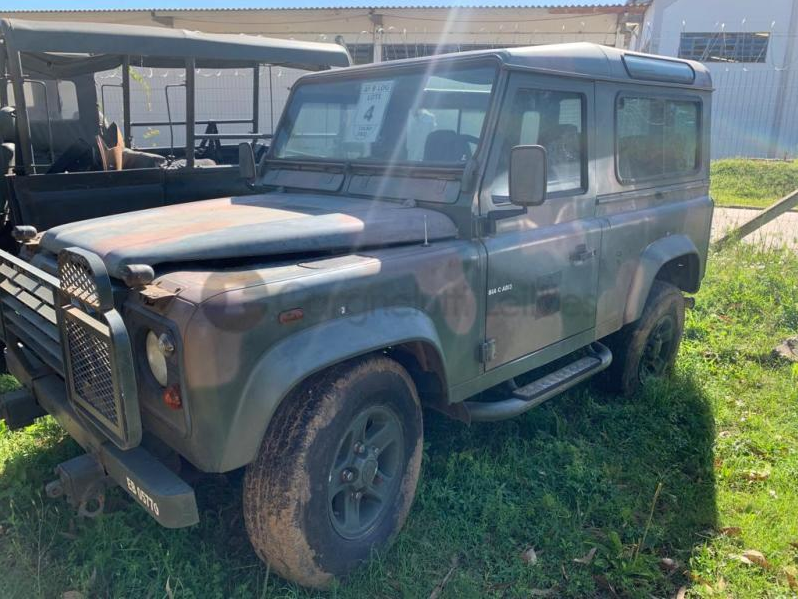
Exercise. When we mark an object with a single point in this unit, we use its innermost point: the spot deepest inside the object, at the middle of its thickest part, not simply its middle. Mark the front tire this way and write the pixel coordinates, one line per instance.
(646, 349)
(337, 471)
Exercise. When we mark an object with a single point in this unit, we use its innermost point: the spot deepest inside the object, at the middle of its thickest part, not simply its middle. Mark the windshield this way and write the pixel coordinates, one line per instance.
(429, 115)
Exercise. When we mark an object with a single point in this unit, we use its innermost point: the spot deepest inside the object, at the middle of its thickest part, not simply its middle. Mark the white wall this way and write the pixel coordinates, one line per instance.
(755, 104)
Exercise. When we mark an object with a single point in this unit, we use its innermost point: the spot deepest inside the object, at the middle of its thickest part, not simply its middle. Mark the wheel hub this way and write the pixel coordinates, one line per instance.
(657, 352)
(369, 471)
(366, 472)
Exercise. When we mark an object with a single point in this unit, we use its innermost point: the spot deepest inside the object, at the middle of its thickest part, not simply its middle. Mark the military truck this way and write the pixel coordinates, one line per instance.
(474, 233)
(63, 160)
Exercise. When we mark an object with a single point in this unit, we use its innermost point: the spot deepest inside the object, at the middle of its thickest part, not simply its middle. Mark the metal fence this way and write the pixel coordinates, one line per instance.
(755, 113)
(159, 95)
(755, 106)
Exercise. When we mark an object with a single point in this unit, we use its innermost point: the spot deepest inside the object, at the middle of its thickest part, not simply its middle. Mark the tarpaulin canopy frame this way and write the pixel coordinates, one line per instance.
(64, 49)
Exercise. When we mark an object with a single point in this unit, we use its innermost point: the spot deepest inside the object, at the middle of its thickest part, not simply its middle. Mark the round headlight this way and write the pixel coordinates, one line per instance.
(156, 358)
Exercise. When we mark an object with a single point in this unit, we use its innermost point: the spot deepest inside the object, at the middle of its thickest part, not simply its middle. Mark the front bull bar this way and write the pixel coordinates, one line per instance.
(165, 496)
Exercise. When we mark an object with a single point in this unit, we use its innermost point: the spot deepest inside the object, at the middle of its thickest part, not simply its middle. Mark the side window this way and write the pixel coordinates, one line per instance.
(68, 100)
(656, 137)
(61, 97)
(554, 120)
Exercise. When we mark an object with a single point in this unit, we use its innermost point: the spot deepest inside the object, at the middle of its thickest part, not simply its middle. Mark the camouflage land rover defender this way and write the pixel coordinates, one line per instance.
(426, 230)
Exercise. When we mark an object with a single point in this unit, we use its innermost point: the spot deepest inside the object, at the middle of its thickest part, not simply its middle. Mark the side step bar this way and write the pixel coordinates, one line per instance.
(535, 393)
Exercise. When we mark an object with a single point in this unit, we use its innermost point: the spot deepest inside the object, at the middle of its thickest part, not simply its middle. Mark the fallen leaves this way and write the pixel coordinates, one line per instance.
(754, 475)
(731, 531)
(587, 558)
(791, 572)
(668, 565)
(787, 349)
(530, 557)
(753, 557)
(756, 557)
(436, 592)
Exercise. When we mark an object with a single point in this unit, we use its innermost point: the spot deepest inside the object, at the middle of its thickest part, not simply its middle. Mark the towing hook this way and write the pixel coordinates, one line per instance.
(93, 506)
(54, 489)
(82, 480)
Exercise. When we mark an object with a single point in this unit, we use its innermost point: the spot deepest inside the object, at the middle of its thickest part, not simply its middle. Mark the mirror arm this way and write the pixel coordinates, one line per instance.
(487, 222)
(495, 215)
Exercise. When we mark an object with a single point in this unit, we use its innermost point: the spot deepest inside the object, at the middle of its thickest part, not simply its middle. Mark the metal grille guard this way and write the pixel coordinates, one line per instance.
(28, 310)
(98, 360)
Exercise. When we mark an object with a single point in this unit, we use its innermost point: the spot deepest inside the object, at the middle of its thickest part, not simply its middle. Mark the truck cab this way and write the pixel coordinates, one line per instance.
(422, 232)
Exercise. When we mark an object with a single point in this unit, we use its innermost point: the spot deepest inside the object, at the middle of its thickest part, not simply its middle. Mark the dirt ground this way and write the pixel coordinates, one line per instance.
(783, 231)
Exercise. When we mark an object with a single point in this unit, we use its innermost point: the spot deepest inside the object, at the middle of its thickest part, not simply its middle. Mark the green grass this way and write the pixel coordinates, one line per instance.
(641, 479)
(752, 183)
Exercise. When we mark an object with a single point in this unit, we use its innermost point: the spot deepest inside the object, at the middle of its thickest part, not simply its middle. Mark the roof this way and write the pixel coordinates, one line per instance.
(556, 5)
(159, 46)
(604, 62)
(584, 59)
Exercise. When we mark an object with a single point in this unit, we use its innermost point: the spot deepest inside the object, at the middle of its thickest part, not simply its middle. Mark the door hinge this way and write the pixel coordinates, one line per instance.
(487, 351)
(481, 226)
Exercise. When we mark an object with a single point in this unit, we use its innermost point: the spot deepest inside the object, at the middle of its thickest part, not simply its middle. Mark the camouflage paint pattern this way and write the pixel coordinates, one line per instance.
(425, 281)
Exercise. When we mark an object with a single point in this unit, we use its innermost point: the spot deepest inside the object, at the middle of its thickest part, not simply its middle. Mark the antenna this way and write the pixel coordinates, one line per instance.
(426, 234)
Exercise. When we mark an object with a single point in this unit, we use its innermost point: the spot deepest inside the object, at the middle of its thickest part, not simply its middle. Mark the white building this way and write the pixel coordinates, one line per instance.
(750, 48)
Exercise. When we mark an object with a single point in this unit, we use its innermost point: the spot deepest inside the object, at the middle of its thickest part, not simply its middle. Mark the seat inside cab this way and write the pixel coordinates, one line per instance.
(69, 133)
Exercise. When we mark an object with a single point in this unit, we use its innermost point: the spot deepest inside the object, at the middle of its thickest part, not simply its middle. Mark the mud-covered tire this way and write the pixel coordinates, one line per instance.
(631, 346)
(289, 490)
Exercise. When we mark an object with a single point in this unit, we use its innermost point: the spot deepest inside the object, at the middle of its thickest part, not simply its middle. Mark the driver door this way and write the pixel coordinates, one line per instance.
(542, 269)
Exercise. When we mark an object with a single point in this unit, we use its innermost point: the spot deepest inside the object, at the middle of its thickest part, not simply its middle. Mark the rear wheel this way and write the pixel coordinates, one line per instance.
(337, 471)
(646, 349)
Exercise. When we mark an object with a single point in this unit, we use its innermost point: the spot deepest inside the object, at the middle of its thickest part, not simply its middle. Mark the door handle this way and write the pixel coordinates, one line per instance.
(582, 254)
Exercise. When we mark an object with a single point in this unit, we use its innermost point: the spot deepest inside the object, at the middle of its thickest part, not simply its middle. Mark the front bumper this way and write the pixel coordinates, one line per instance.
(69, 348)
(164, 495)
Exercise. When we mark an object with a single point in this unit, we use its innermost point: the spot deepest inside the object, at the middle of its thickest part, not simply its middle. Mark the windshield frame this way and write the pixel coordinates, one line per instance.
(376, 70)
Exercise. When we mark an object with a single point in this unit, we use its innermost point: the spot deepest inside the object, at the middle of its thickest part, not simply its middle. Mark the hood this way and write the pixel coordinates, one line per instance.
(250, 226)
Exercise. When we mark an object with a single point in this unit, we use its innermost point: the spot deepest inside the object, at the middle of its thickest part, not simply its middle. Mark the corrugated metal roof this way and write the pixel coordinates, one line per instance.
(585, 7)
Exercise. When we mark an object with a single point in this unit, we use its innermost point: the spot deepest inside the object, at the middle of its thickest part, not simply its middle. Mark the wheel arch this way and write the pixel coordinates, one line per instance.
(407, 335)
(673, 259)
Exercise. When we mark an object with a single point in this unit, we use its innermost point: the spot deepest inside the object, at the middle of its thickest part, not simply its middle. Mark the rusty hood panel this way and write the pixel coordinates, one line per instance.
(273, 224)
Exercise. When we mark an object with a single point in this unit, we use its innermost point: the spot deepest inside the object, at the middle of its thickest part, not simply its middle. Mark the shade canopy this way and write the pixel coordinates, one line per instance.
(78, 48)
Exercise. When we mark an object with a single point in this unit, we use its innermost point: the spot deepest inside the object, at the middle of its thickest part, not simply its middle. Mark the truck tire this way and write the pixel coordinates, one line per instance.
(337, 471)
(646, 349)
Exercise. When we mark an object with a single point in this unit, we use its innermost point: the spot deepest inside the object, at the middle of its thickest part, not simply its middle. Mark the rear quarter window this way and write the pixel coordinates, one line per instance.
(656, 138)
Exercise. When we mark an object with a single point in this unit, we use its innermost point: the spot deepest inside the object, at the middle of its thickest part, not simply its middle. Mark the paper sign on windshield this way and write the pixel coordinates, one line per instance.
(374, 98)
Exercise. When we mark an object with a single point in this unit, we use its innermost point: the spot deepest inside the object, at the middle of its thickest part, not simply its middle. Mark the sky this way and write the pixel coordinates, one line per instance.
(172, 4)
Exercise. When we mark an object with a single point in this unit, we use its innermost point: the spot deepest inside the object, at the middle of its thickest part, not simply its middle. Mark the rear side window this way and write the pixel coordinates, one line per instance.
(656, 138)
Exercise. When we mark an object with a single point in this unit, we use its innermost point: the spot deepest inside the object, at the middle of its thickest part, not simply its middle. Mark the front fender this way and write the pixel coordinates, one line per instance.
(293, 359)
(653, 258)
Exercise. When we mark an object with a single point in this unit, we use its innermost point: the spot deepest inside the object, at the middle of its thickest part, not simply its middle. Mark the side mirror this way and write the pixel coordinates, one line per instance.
(528, 175)
(247, 169)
